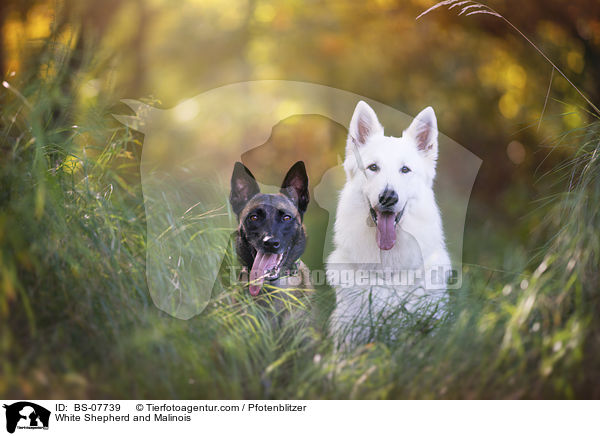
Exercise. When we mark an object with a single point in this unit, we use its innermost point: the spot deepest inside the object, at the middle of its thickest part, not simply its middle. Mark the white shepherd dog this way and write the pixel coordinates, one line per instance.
(390, 257)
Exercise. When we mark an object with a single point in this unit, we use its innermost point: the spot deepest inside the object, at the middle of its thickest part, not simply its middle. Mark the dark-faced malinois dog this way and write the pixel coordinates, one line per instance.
(271, 237)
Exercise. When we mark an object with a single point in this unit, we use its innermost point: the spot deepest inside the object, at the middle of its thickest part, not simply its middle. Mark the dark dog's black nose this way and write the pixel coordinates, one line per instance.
(271, 244)
(388, 198)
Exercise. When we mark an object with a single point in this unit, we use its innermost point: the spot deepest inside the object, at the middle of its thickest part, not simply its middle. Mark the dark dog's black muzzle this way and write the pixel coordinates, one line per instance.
(272, 245)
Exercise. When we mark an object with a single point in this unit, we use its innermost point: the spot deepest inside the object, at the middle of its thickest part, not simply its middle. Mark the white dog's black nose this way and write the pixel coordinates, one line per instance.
(388, 198)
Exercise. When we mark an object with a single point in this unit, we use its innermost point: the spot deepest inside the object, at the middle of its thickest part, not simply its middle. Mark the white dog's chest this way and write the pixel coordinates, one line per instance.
(361, 248)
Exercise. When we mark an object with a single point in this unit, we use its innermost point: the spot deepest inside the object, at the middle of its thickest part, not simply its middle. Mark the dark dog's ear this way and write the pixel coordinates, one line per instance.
(243, 187)
(295, 186)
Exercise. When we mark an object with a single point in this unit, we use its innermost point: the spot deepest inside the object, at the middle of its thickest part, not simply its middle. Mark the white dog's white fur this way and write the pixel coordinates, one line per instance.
(407, 166)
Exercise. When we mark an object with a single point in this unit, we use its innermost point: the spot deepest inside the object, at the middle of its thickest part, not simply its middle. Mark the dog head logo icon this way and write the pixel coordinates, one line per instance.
(187, 158)
(26, 415)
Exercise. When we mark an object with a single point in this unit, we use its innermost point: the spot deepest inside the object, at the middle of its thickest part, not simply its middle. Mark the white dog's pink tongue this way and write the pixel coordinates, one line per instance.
(386, 231)
(263, 263)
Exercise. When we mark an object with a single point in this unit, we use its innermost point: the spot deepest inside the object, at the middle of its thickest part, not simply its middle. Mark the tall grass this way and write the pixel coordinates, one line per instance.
(76, 318)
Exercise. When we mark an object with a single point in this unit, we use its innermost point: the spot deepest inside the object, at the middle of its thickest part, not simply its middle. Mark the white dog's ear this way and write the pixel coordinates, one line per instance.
(424, 131)
(364, 124)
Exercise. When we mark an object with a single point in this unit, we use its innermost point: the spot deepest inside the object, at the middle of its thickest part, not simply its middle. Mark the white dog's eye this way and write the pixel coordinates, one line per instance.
(373, 167)
(405, 169)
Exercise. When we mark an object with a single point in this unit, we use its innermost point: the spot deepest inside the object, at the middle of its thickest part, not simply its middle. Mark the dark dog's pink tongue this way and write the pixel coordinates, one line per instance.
(386, 231)
(263, 263)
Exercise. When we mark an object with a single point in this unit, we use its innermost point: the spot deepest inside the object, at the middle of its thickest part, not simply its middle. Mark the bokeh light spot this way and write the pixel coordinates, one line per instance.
(516, 152)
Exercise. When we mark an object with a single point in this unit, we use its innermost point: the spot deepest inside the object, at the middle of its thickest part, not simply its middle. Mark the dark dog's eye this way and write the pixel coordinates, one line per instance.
(373, 167)
(286, 218)
(253, 217)
(405, 169)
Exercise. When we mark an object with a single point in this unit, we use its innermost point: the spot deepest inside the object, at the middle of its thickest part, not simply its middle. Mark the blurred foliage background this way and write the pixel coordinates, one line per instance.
(75, 317)
(487, 85)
